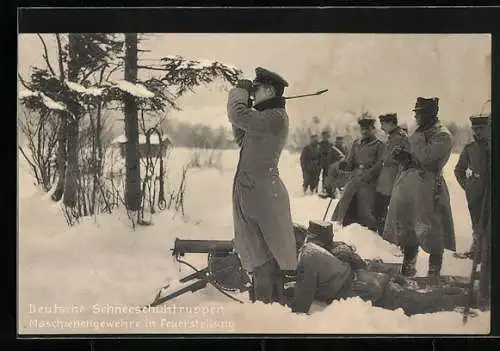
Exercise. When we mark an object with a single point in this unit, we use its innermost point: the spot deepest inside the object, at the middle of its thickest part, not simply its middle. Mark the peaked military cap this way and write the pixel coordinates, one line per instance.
(427, 104)
(339, 138)
(366, 122)
(478, 120)
(388, 117)
(325, 132)
(321, 230)
(264, 76)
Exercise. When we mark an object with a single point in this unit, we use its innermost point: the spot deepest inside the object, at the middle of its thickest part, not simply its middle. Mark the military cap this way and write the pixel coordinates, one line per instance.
(339, 138)
(264, 76)
(321, 230)
(325, 132)
(427, 104)
(388, 117)
(478, 120)
(366, 122)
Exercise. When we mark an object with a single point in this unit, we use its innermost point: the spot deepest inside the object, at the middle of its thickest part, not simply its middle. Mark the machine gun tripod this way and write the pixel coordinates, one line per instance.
(223, 270)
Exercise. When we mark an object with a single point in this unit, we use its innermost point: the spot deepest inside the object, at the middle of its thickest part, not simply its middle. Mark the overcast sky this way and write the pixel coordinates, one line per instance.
(379, 72)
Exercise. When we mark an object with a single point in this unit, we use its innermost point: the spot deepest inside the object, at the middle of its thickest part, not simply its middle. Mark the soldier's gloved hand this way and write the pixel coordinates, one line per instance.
(245, 84)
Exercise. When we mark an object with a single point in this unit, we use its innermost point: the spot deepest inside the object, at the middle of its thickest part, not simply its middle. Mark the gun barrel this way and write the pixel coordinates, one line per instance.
(182, 246)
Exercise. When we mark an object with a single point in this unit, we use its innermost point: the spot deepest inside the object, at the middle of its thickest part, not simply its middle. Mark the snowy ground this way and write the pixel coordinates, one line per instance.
(90, 278)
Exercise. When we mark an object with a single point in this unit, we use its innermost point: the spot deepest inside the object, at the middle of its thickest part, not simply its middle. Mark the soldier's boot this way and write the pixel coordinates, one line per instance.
(279, 287)
(408, 269)
(263, 279)
(435, 263)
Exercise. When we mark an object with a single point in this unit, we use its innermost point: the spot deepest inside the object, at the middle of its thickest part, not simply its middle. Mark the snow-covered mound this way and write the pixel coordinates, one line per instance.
(95, 276)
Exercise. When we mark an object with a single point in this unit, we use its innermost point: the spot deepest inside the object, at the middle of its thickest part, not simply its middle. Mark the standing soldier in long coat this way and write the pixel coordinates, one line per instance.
(471, 173)
(420, 212)
(264, 237)
(310, 162)
(326, 153)
(364, 160)
(390, 167)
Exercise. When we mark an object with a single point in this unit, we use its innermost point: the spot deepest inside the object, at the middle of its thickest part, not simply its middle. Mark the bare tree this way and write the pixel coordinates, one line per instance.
(61, 134)
(133, 171)
(40, 135)
(71, 176)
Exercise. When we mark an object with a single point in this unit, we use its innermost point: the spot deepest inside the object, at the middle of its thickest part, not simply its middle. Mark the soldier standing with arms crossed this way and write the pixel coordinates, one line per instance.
(264, 236)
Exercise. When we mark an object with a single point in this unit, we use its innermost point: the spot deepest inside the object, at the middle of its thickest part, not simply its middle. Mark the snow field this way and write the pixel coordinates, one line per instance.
(104, 270)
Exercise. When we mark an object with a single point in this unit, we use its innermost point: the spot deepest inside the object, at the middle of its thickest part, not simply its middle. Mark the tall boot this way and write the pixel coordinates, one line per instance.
(408, 268)
(264, 285)
(435, 263)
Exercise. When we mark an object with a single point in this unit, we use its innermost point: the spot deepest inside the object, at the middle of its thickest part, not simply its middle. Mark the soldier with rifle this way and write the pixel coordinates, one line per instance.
(329, 271)
(419, 213)
(390, 167)
(263, 229)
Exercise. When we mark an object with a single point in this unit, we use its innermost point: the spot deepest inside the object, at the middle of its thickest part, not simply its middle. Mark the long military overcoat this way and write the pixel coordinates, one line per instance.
(419, 211)
(263, 227)
(471, 173)
(390, 168)
(364, 159)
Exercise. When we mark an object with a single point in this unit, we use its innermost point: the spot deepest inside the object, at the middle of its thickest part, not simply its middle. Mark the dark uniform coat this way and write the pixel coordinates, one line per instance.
(326, 147)
(484, 225)
(310, 162)
(390, 167)
(320, 276)
(341, 148)
(357, 203)
(471, 173)
(420, 212)
(261, 206)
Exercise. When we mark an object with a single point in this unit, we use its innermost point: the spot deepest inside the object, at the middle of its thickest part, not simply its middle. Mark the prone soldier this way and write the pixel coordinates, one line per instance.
(329, 271)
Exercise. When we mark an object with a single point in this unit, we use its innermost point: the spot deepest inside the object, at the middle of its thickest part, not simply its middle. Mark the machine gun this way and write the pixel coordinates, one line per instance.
(223, 270)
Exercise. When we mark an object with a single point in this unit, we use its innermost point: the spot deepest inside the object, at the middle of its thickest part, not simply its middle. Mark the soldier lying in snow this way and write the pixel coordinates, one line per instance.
(329, 270)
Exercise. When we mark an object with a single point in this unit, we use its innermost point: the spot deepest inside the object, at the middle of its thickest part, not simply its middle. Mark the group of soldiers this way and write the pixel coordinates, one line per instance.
(317, 157)
(394, 188)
